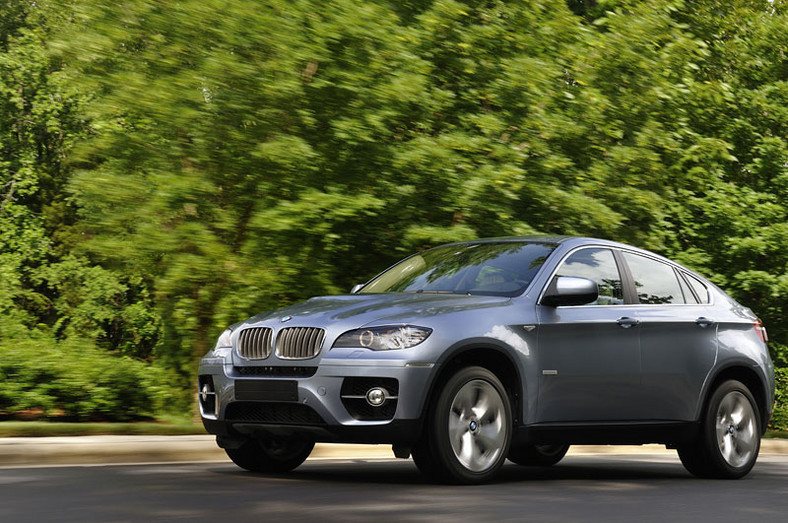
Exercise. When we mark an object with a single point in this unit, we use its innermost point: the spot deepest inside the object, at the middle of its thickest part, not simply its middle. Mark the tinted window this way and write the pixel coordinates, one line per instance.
(487, 268)
(689, 297)
(655, 282)
(700, 289)
(598, 265)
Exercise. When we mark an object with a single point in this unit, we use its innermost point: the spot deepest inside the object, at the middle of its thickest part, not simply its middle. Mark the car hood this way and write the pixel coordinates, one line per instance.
(358, 310)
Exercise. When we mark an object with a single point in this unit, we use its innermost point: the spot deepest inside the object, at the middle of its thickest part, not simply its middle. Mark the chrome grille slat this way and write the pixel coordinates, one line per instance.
(267, 341)
(253, 336)
(299, 343)
(289, 347)
(260, 343)
(255, 343)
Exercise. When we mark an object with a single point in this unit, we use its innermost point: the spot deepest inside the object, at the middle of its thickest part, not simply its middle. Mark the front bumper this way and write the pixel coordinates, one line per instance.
(316, 409)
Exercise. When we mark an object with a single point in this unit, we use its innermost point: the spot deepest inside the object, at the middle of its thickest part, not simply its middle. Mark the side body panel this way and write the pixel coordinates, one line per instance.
(677, 354)
(589, 365)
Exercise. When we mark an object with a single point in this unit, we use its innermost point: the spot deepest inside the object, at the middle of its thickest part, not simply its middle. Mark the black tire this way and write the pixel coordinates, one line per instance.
(693, 459)
(425, 460)
(271, 455)
(537, 455)
(730, 435)
(468, 430)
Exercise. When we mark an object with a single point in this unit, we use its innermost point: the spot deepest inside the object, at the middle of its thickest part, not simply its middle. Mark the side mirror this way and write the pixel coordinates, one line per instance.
(566, 290)
(357, 287)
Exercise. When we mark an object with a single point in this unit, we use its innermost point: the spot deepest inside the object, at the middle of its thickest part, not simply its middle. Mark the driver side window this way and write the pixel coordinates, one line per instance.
(598, 265)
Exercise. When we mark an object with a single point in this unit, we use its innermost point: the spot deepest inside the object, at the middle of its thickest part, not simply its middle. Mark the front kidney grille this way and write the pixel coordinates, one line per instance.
(299, 343)
(255, 343)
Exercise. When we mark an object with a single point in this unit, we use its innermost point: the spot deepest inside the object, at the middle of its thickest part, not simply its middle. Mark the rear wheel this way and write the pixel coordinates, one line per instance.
(467, 435)
(730, 438)
(271, 455)
(537, 455)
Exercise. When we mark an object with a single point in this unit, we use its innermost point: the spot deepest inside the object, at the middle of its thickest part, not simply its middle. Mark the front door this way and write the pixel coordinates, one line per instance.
(589, 355)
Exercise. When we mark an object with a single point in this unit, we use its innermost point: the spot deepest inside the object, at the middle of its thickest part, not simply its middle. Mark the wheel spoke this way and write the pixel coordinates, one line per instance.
(457, 428)
(738, 414)
(744, 447)
(727, 448)
(482, 405)
(490, 436)
(467, 447)
(722, 431)
(463, 402)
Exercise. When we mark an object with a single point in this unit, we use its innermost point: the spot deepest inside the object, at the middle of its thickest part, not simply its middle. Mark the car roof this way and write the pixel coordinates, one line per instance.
(570, 242)
(557, 239)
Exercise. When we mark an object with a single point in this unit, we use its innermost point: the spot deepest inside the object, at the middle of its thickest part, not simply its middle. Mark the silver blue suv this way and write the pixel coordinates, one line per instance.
(470, 353)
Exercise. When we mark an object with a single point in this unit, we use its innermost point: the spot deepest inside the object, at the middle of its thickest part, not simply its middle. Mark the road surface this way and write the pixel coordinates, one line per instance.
(617, 487)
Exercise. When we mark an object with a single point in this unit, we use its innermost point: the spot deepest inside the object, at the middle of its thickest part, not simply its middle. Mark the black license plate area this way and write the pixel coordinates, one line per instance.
(266, 390)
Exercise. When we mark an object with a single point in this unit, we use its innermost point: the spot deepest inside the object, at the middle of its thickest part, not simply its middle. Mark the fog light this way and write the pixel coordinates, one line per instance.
(205, 392)
(376, 396)
(207, 396)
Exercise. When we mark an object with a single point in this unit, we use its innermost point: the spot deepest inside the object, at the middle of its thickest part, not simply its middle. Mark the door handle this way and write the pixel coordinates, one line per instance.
(704, 322)
(627, 322)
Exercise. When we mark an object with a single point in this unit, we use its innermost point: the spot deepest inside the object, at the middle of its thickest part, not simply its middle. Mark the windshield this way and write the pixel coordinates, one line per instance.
(486, 268)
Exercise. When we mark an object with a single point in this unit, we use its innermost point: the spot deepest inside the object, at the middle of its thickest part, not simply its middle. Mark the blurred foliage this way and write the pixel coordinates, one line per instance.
(42, 377)
(168, 168)
(779, 419)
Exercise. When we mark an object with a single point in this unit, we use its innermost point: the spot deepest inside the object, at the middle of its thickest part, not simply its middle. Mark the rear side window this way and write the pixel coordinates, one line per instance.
(689, 296)
(598, 265)
(700, 289)
(655, 282)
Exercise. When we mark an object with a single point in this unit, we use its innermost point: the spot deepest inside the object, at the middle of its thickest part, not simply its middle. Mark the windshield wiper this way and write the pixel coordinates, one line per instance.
(422, 291)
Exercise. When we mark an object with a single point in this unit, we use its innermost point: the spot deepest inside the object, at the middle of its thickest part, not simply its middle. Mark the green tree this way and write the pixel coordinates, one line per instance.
(244, 156)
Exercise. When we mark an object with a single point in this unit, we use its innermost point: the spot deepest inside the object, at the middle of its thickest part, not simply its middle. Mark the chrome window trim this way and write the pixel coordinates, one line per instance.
(621, 250)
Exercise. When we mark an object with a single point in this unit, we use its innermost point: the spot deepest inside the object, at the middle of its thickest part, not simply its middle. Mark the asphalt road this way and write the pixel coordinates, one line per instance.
(634, 487)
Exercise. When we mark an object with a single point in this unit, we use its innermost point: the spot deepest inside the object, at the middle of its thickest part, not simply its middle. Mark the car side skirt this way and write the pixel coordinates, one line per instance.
(634, 433)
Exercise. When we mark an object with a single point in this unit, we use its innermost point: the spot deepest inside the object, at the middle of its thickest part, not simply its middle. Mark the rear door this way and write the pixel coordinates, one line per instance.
(678, 337)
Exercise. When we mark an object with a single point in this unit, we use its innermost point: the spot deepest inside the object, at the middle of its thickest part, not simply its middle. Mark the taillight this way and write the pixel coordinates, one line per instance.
(761, 330)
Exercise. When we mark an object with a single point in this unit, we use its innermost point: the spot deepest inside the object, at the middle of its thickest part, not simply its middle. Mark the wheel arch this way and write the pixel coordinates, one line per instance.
(749, 376)
(493, 357)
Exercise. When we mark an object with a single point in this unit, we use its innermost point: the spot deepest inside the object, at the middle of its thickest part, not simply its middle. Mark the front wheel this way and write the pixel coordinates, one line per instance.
(730, 437)
(271, 455)
(467, 436)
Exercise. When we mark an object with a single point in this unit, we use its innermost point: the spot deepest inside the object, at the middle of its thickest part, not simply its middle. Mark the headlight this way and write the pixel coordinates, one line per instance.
(224, 345)
(225, 340)
(384, 338)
